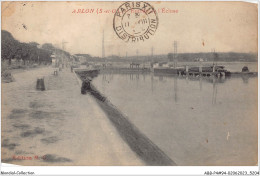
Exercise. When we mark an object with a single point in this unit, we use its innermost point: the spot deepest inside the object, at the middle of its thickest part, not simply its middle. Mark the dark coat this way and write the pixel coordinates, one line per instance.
(85, 86)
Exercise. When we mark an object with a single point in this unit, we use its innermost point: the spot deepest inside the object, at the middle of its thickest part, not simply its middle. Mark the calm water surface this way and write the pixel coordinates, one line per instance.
(195, 121)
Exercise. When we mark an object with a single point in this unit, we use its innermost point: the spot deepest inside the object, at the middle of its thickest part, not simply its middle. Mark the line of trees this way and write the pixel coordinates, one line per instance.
(27, 53)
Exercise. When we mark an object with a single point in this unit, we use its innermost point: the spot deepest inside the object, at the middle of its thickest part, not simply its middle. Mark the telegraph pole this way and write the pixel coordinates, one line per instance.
(63, 48)
(103, 48)
(175, 46)
(103, 45)
(213, 52)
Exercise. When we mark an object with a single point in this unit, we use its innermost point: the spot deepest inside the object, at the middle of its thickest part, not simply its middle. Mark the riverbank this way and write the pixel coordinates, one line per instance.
(137, 141)
(58, 126)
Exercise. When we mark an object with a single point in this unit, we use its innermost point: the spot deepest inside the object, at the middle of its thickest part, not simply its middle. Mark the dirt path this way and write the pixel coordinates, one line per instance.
(58, 126)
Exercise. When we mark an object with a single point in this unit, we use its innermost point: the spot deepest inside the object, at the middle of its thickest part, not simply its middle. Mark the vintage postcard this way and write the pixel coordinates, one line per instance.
(137, 83)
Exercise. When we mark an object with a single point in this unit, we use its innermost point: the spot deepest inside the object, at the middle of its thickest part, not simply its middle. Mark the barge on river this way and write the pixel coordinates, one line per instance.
(194, 71)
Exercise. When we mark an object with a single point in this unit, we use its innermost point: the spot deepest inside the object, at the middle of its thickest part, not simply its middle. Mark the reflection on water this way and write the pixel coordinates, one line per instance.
(155, 79)
(194, 120)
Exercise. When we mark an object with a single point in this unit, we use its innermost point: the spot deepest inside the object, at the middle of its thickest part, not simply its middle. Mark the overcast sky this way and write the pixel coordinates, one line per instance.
(225, 26)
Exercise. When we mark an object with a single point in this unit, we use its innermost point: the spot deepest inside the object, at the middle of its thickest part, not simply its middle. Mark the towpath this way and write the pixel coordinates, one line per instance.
(58, 126)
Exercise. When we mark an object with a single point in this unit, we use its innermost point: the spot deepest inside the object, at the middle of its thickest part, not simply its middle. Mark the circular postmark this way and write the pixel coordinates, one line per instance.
(135, 21)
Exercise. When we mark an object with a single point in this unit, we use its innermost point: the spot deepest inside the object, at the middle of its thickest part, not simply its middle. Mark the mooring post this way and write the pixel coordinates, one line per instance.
(40, 84)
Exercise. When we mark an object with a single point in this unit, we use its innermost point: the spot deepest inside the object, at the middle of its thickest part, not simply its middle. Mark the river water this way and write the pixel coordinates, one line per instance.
(195, 121)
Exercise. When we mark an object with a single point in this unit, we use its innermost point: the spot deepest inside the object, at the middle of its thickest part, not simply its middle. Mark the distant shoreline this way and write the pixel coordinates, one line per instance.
(181, 57)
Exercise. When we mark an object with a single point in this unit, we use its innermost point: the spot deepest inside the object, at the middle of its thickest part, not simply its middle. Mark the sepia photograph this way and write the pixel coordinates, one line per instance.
(136, 83)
